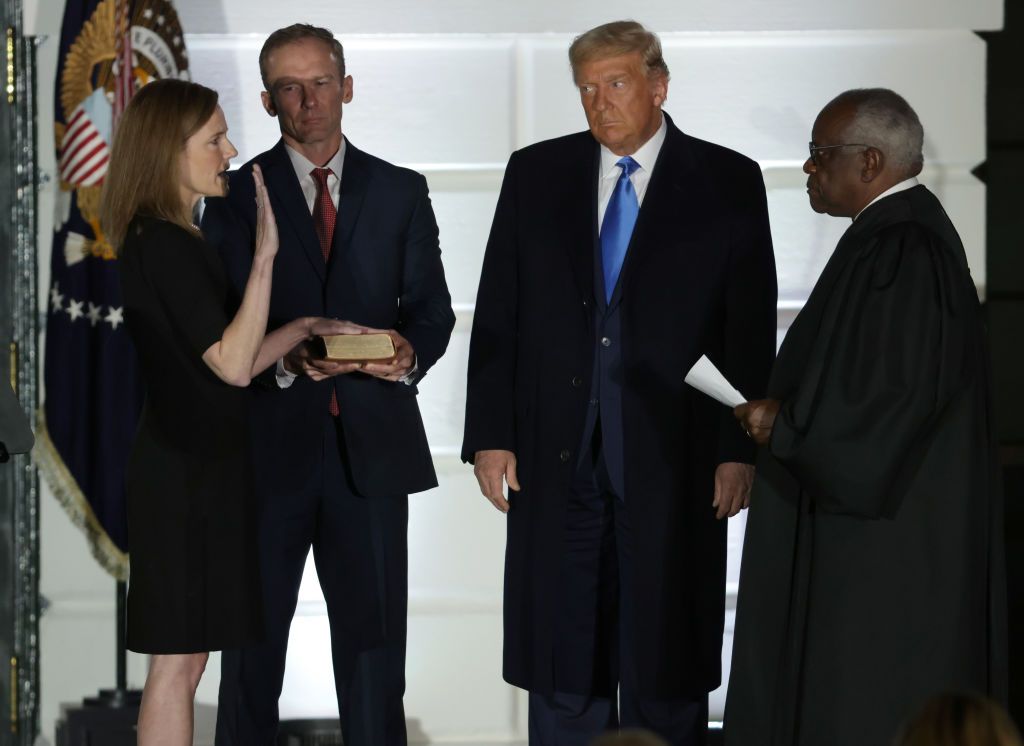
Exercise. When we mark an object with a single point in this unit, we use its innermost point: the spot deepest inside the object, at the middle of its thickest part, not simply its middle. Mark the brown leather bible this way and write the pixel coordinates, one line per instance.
(345, 347)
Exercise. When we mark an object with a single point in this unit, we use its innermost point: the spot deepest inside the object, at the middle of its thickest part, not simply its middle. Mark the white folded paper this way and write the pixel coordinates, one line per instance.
(704, 376)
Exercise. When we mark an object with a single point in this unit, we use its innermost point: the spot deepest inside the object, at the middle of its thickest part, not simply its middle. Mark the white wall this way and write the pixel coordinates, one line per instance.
(451, 88)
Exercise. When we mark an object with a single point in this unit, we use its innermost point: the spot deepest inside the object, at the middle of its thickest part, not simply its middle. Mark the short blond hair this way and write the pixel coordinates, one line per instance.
(615, 38)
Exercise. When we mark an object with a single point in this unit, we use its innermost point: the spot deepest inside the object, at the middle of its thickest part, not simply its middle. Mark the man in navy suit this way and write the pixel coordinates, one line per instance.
(337, 446)
(617, 258)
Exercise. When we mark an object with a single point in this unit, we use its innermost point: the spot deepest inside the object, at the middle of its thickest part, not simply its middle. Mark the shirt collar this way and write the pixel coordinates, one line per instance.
(902, 186)
(645, 156)
(303, 165)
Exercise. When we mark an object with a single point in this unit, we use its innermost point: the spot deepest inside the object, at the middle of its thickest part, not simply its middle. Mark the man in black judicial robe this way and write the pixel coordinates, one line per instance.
(872, 572)
(615, 563)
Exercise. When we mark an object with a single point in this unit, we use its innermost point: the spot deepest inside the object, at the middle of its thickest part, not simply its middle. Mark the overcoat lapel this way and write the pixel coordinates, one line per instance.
(669, 210)
(284, 186)
(580, 221)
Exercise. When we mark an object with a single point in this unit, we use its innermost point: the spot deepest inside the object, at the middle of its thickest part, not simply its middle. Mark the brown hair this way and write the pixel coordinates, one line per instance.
(959, 719)
(144, 174)
(615, 38)
(300, 32)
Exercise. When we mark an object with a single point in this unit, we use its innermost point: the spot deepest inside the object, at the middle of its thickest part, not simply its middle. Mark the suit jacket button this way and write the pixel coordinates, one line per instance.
(577, 382)
(606, 342)
(564, 455)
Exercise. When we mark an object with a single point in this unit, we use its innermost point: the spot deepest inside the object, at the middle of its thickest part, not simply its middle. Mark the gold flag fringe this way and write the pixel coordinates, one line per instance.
(67, 491)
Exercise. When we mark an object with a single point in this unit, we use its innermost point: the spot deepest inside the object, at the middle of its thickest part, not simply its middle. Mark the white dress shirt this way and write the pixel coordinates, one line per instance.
(304, 172)
(902, 186)
(610, 173)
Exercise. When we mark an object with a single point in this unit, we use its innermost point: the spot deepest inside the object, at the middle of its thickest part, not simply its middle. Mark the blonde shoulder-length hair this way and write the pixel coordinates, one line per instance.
(144, 177)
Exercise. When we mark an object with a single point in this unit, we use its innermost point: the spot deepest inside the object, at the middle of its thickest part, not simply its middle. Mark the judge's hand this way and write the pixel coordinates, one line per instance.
(490, 467)
(732, 488)
(399, 365)
(757, 418)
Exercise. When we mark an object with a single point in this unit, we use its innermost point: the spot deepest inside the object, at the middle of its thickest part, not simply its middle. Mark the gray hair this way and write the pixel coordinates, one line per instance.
(883, 119)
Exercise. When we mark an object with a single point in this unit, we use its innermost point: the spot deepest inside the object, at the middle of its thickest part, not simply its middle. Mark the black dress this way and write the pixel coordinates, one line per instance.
(194, 583)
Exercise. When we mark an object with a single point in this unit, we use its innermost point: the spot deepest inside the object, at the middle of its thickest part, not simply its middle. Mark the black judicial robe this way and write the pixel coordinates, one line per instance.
(873, 572)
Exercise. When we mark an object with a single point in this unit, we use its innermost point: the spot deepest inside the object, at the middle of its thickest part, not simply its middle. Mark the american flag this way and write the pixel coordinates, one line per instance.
(92, 388)
(84, 152)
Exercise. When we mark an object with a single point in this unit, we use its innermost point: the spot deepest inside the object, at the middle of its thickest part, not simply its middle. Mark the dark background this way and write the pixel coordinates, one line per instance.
(1003, 172)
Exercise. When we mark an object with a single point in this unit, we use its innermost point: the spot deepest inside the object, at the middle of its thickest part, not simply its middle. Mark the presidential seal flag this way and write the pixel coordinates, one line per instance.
(92, 396)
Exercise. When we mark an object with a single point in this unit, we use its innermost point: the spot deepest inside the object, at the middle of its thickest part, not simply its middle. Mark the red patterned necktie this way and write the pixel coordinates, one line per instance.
(324, 217)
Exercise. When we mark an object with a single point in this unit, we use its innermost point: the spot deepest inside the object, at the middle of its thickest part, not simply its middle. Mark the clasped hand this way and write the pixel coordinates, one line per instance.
(305, 359)
(758, 418)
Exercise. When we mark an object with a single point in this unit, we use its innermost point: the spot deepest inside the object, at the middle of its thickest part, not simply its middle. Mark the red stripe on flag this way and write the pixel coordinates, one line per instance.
(86, 179)
(78, 121)
(75, 172)
(76, 117)
(72, 165)
(67, 160)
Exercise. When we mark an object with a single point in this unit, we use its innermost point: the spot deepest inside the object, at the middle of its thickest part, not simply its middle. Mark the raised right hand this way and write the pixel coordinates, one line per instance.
(490, 467)
(266, 225)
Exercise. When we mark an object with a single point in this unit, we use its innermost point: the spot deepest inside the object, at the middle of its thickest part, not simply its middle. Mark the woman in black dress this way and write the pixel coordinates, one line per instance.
(194, 584)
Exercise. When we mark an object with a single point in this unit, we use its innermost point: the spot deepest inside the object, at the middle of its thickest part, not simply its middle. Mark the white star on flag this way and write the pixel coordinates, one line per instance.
(56, 298)
(74, 310)
(115, 317)
(94, 313)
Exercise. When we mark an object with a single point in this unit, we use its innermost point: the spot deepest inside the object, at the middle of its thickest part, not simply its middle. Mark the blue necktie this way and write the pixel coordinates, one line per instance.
(617, 228)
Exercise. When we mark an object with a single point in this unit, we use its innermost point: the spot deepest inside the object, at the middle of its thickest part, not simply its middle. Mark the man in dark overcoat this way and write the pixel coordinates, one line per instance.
(872, 571)
(617, 258)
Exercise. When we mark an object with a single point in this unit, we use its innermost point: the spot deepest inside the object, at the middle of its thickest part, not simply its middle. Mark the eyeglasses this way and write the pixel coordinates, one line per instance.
(815, 149)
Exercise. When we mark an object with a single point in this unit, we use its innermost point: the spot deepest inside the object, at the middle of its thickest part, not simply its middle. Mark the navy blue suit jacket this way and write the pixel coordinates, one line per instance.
(384, 271)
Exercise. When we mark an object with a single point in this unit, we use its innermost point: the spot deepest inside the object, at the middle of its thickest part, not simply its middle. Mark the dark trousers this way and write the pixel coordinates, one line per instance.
(360, 549)
(596, 685)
